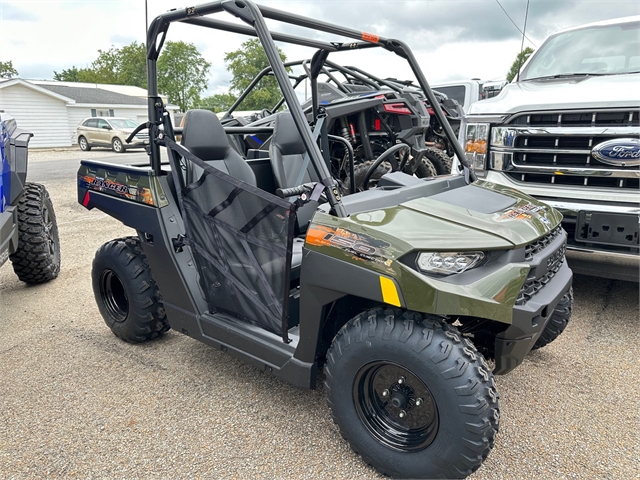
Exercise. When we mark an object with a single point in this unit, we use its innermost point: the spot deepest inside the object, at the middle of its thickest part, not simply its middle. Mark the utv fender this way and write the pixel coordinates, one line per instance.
(325, 279)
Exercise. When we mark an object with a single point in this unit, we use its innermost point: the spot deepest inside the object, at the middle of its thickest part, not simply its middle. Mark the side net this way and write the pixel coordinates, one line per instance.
(241, 239)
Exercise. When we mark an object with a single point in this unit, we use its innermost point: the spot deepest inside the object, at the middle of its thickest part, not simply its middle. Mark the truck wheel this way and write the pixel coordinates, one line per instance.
(558, 321)
(84, 145)
(411, 395)
(440, 160)
(37, 258)
(127, 296)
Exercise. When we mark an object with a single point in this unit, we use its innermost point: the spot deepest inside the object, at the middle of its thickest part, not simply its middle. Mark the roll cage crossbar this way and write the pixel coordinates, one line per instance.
(254, 16)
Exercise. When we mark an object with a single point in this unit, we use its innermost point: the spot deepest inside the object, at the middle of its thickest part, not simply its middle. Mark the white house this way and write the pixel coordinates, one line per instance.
(53, 110)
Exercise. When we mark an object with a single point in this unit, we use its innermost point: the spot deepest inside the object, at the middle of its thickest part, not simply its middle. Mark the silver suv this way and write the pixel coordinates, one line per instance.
(109, 132)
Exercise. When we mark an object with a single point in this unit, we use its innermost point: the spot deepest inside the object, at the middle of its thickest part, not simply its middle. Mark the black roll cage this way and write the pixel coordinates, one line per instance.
(254, 16)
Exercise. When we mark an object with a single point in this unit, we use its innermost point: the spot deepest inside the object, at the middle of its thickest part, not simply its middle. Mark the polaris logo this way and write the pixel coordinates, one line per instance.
(620, 152)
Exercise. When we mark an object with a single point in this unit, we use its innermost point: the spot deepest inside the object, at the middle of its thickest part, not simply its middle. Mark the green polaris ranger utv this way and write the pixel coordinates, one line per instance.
(399, 292)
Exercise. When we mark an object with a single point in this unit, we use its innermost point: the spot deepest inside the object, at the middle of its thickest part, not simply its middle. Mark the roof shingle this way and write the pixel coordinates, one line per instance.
(95, 96)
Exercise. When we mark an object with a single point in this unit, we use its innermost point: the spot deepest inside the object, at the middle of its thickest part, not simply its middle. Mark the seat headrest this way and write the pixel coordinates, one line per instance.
(204, 136)
(286, 135)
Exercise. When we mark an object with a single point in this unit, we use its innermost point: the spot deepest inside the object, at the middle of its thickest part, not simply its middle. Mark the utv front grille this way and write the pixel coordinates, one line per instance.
(544, 265)
(555, 148)
(534, 285)
(537, 246)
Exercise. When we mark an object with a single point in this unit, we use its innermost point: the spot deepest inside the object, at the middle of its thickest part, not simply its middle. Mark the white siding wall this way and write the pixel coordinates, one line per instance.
(77, 113)
(46, 117)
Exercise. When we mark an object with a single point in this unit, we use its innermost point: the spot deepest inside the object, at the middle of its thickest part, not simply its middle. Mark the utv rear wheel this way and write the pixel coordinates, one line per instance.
(83, 144)
(411, 395)
(37, 258)
(558, 321)
(117, 145)
(127, 296)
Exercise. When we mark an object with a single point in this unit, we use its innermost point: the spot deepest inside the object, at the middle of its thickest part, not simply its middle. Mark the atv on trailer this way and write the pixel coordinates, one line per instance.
(28, 229)
(395, 291)
(371, 114)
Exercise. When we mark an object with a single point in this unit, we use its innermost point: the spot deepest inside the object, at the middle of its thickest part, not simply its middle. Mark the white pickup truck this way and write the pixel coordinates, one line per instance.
(567, 132)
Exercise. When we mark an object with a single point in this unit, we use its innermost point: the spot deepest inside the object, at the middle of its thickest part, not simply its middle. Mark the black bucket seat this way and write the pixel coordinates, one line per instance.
(287, 153)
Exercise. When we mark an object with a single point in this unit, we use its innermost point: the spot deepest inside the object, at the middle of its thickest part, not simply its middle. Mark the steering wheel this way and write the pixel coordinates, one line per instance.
(265, 112)
(383, 156)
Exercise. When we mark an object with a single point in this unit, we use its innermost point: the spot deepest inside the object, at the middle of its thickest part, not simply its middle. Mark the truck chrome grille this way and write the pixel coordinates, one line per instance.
(555, 148)
(536, 253)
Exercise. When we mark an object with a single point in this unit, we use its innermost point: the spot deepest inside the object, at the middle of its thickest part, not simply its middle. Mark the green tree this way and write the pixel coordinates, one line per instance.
(119, 66)
(107, 65)
(245, 64)
(7, 70)
(182, 74)
(67, 75)
(132, 68)
(220, 102)
(518, 62)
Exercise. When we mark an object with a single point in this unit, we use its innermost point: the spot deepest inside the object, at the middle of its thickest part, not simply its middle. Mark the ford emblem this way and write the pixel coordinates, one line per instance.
(620, 152)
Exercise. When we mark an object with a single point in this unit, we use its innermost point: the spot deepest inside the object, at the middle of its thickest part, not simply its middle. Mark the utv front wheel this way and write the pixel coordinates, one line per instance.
(411, 395)
(126, 294)
(558, 321)
(440, 160)
(37, 258)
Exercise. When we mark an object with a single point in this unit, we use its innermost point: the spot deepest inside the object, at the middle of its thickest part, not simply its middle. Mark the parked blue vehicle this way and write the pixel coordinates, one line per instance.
(28, 229)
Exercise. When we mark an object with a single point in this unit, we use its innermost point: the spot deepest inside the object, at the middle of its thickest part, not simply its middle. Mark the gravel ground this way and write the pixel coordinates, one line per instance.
(76, 401)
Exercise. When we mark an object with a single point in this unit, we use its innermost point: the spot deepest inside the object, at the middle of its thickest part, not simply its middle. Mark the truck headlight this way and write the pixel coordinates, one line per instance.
(448, 263)
(476, 140)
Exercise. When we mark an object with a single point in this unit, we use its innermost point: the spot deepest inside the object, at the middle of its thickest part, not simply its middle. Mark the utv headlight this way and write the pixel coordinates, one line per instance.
(475, 142)
(448, 263)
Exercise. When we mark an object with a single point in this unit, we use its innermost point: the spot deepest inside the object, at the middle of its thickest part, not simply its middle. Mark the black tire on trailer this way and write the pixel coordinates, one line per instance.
(426, 169)
(558, 321)
(37, 258)
(360, 171)
(411, 395)
(440, 160)
(83, 144)
(126, 293)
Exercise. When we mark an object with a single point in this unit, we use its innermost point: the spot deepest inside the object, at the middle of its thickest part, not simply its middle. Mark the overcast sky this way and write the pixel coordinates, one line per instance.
(452, 39)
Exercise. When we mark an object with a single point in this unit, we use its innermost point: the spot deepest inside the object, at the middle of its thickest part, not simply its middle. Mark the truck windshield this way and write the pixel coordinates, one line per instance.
(600, 50)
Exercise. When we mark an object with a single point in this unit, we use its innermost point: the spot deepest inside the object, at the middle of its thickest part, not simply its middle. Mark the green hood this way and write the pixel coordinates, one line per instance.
(433, 223)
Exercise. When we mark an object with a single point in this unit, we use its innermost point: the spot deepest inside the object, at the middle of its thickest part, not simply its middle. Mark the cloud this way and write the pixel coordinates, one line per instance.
(9, 11)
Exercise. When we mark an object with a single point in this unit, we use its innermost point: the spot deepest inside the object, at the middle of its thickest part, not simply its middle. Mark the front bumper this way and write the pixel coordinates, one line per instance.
(529, 321)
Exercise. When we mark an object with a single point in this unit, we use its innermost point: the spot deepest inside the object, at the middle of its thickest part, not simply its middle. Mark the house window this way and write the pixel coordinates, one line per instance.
(102, 113)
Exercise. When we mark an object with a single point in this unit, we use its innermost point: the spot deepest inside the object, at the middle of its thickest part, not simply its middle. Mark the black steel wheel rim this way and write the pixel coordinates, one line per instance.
(114, 295)
(395, 406)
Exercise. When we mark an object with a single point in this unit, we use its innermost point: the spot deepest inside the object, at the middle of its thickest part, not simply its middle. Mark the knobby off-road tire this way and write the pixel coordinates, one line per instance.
(127, 296)
(360, 171)
(37, 259)
(558, 321)
(440, 160)
(454, 433)
(426, 169)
